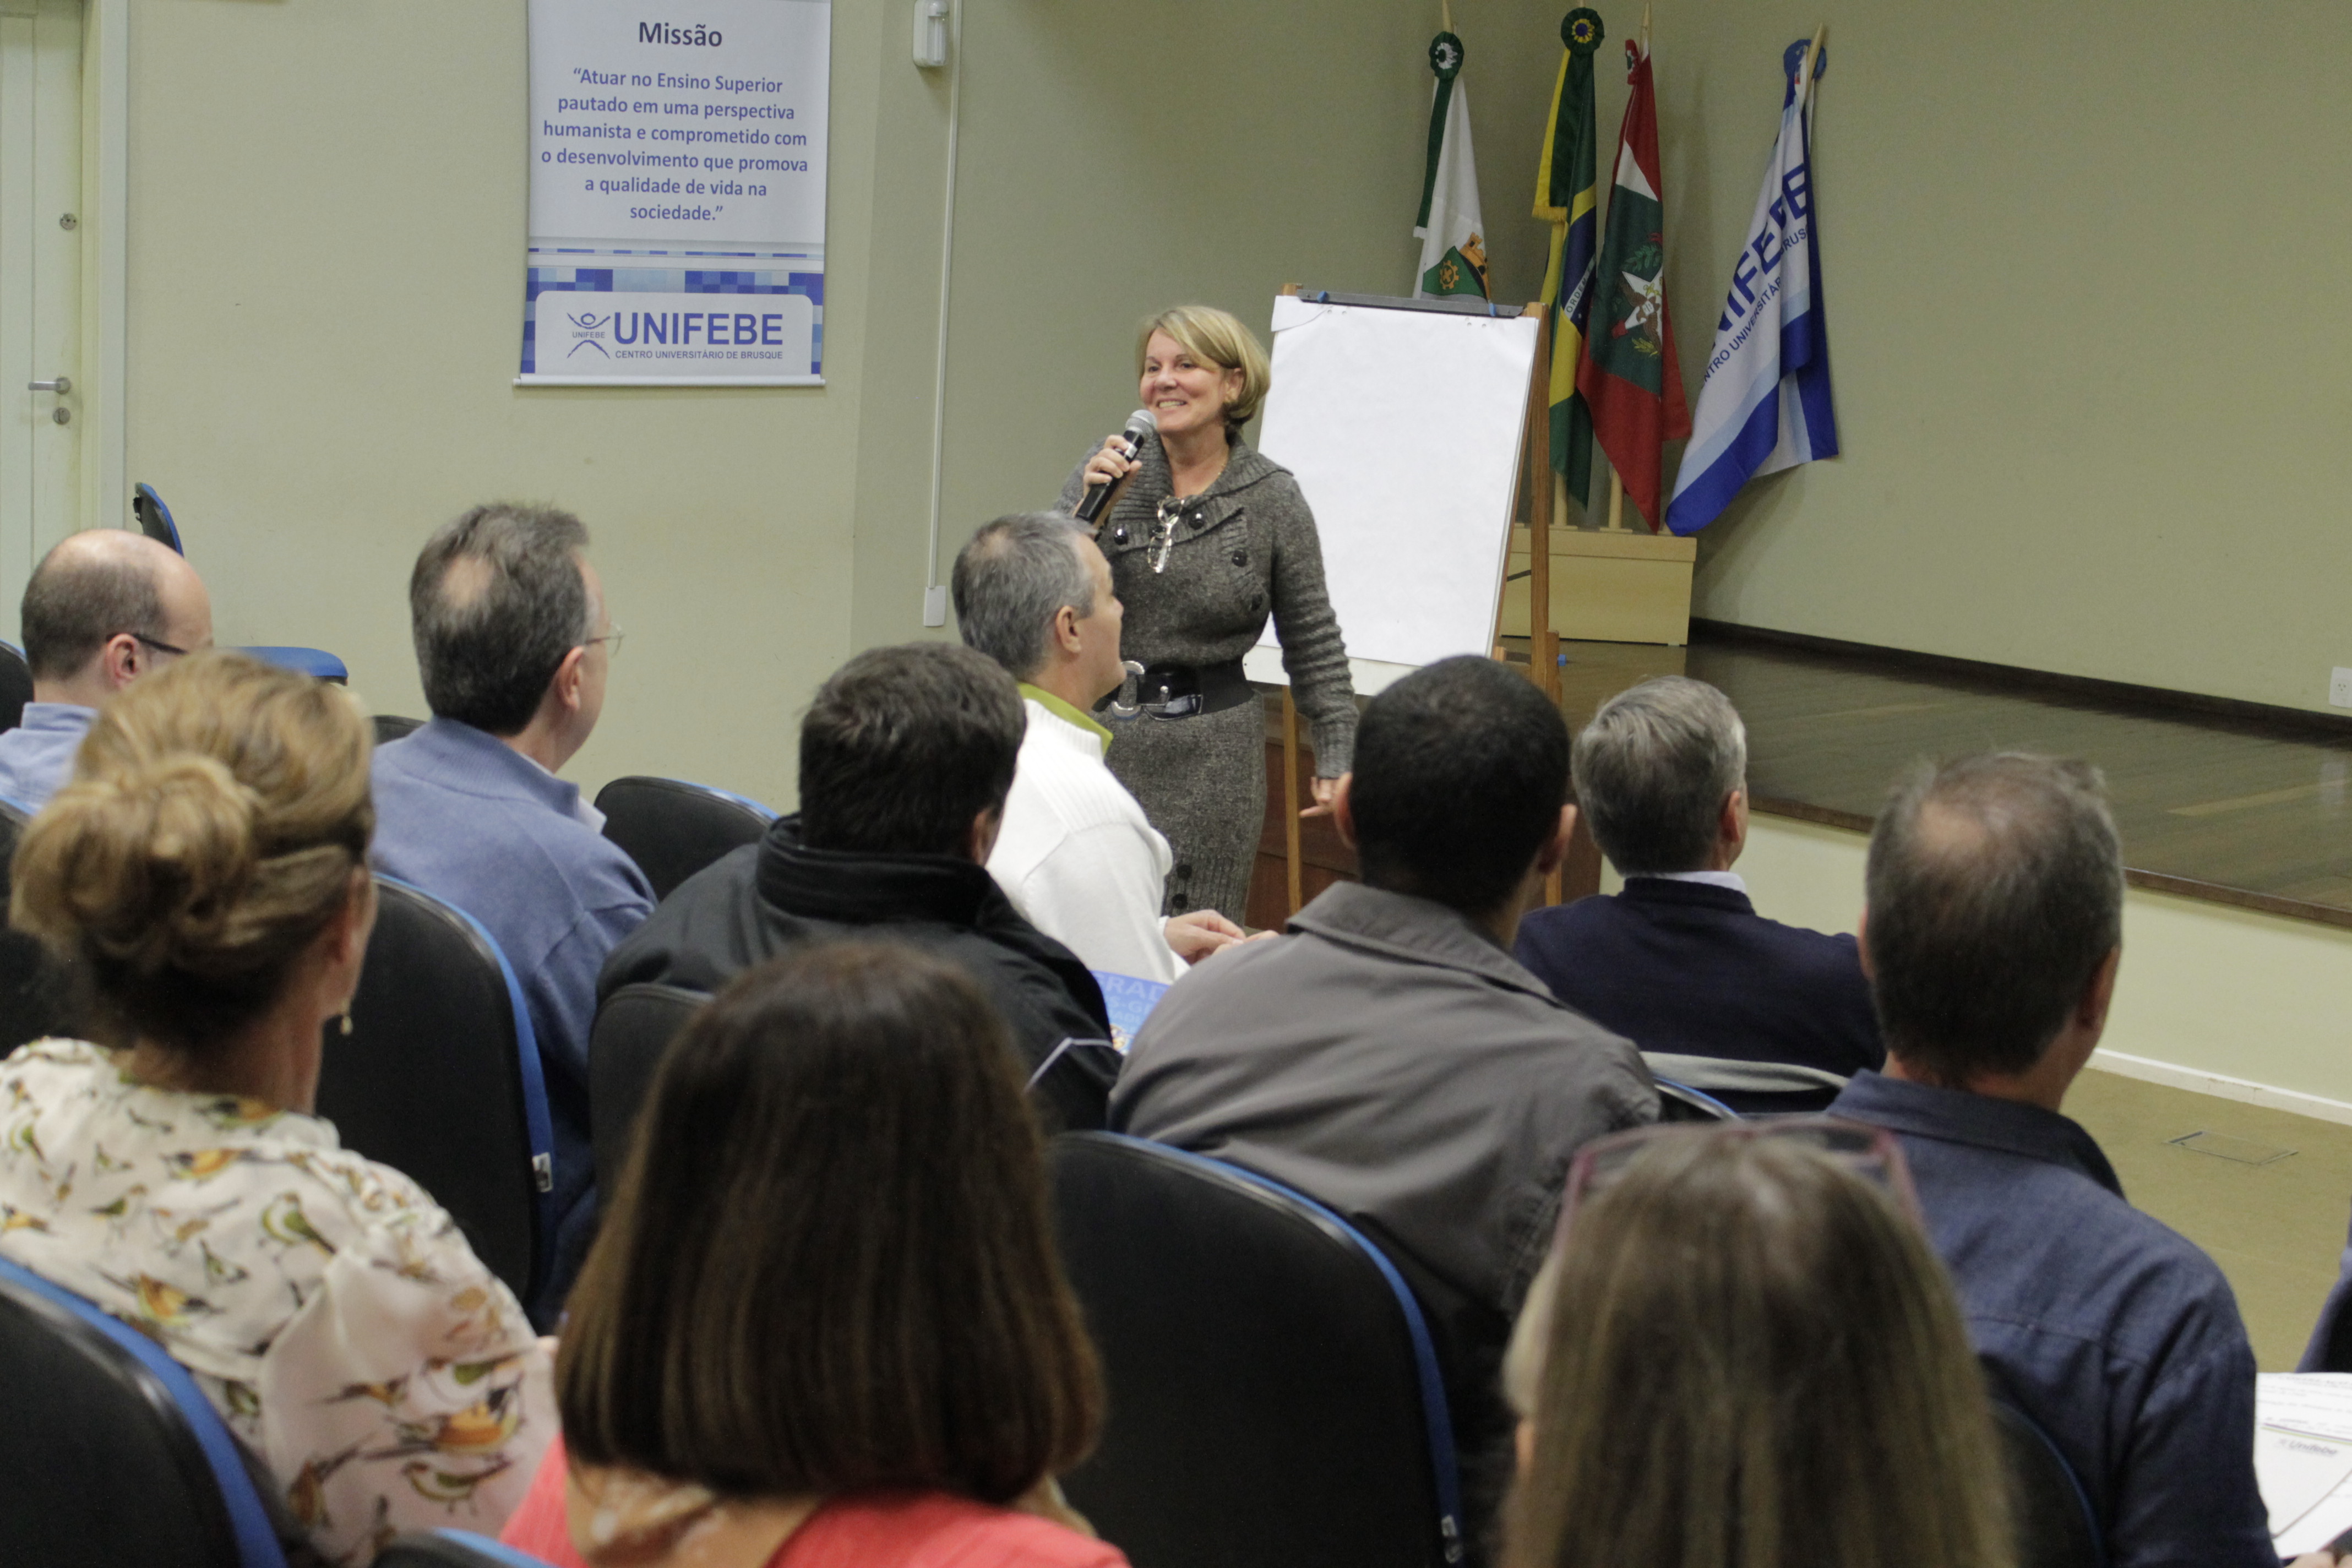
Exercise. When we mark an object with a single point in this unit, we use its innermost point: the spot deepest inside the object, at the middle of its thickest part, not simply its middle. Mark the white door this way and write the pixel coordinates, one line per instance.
(40, 286)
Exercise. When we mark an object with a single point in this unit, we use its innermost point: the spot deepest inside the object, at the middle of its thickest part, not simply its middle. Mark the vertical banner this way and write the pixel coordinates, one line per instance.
(676, 194)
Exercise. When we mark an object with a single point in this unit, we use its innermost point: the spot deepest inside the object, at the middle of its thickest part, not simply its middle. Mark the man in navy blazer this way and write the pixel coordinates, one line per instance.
(1680, 961)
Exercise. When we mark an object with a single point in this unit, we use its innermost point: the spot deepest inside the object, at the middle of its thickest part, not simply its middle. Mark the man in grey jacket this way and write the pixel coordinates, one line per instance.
(1388, 1056)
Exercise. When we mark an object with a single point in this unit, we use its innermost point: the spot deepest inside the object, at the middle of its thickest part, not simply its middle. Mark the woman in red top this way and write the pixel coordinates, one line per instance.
(824, 1324)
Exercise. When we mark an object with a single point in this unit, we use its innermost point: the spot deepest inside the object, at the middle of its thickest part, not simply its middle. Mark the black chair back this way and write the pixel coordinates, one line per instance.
(1681, 1102)
(439, 1077)
(1751, 1089)
(40, 993)
(673, 829)
(110, 1453)
(2050, 1514)
(452, 1548)
(634, 1026)
(15, 686)
(1274, 1398)
(391, 727)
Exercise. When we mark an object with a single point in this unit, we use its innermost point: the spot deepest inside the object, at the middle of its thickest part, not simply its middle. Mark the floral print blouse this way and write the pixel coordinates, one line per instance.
(329, 1309)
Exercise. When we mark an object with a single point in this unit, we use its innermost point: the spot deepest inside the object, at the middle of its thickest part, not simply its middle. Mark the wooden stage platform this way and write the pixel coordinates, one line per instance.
(2225, 801)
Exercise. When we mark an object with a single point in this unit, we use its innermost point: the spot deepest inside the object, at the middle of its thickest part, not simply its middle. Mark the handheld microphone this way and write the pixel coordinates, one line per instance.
(1097, 497)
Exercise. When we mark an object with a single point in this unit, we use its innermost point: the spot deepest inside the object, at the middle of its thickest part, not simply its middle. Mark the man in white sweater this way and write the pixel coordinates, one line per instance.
(1076, 853)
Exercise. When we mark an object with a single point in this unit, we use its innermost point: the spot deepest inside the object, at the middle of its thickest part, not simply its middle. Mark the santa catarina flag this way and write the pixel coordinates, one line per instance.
(1453, 235)
(1765, 405)
(1564, 197)
(1629, 377)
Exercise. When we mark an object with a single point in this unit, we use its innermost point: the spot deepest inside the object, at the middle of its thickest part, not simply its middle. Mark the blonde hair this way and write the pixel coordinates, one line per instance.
(217, 813)
(1752, 1360)
(1218, 338)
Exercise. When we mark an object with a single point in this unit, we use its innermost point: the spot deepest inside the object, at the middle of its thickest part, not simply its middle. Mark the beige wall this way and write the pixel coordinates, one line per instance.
(327, 231)
(1118, 156)
(2222, 1000)
(2084, 269)
(327, 211)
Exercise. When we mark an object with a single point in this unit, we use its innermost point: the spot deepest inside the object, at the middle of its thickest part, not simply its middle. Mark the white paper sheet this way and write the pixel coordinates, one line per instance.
(2302, 1456)
(1403, 428)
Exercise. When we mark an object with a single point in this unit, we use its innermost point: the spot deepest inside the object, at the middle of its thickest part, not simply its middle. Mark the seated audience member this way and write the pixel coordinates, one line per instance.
(1744, 1352)
(805, 1338)
(1680, 961)
(1074, 853)
(514, 645)
(1991, 932)
(1388, 1056)
(906, 755)
(103, 608)
(207, 867)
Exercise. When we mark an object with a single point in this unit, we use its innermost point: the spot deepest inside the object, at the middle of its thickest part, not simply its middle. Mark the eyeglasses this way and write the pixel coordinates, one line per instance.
(612, 640)
(1871, 1152)
(159, 645)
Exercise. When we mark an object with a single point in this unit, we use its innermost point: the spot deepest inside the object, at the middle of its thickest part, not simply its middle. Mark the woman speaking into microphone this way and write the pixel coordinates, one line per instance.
(1205, 540)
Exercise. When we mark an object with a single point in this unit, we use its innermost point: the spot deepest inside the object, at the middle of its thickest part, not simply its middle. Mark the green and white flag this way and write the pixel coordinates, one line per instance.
(1453, 237)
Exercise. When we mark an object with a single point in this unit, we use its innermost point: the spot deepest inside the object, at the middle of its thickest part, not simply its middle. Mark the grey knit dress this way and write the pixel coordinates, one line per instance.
(1245, 550)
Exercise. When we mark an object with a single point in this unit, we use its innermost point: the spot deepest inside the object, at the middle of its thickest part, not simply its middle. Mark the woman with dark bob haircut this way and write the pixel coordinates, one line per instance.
(824, 1322)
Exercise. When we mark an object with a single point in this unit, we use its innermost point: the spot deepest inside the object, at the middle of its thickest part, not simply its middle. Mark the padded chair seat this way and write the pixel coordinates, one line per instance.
(672, 828)
(439, 1077)
(634, 1026)
(110, 1454)
(1273, 1397)
(2048, 1510)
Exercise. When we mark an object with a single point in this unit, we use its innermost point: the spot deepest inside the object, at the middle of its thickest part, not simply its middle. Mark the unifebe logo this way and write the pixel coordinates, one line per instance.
(588, 329)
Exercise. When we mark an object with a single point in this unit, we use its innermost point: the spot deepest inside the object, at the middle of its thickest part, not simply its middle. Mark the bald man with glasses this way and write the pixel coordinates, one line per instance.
(103, 608)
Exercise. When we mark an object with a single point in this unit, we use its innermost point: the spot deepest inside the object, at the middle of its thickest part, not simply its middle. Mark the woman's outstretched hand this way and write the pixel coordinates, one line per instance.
(1326, 791)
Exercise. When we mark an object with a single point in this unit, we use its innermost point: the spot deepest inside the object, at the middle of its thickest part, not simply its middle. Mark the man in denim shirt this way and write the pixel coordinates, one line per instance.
(1991, 934)
(514, 645)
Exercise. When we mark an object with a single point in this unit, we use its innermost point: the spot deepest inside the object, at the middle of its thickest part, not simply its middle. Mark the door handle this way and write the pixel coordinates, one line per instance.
(61, 386)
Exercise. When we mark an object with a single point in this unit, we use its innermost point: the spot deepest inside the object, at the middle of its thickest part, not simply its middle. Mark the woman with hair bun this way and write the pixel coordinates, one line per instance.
(1205, 541)
(206, 869)
(824, 1322)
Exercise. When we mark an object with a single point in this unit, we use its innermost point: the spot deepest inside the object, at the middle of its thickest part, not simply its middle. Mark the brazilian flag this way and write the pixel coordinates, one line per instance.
(1565, 196)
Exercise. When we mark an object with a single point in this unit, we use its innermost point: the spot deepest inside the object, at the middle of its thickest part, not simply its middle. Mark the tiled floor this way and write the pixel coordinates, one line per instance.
(2276, 1228)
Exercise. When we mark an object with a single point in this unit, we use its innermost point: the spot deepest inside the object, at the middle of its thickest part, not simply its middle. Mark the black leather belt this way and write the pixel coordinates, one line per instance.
(1189, 690)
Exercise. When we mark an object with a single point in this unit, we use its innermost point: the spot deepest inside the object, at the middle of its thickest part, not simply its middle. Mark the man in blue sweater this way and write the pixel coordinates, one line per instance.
(514, 647)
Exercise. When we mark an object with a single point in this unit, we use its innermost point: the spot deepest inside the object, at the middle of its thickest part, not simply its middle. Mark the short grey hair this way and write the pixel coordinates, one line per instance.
(1015, 576)
(76, 602)
(488, 652)
(1652, 770)
(1995, 890)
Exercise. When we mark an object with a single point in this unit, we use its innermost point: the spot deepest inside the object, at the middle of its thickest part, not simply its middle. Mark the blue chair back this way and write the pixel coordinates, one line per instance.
(110, 1452)
(672, 828)
(1274, 1394)
(2049, 1510)
(1681, 1102)
(440, 1078)
(155, 518)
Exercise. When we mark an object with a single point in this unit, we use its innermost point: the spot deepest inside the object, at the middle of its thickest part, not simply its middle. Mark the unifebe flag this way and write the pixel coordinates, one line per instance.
(1629, 377)
(1564, 197)
(1765, 405)
(1453, 237)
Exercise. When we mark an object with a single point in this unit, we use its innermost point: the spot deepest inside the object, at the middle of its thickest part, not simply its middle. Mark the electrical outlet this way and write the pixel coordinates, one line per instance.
(2339, 687)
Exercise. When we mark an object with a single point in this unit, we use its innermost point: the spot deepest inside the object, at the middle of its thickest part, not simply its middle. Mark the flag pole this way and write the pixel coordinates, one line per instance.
(1812, 53)
(1616, 481)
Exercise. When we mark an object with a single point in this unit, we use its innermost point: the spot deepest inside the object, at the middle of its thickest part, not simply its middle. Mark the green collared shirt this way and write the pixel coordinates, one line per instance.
(1061, 709)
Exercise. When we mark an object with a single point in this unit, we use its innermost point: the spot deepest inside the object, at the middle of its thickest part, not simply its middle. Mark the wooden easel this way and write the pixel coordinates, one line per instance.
(1536, 483)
